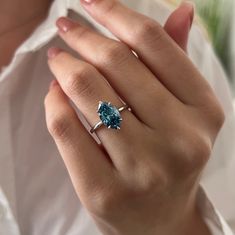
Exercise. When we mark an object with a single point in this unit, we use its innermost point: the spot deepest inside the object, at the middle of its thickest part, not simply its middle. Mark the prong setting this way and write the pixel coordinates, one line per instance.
(109, 115)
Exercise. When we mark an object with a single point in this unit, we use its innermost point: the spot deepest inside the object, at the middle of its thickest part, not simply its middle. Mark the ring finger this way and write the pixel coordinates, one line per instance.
(85, 86)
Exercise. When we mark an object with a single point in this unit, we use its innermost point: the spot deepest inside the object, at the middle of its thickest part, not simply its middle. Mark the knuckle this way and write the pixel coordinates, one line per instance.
(218, 118)
(59, 126)
(152, 181)
(201, 151)
(114, 53)
(80, 82)
(149, 179)
(214, 112)
(105, 202)
(195, 152)
(149, 30)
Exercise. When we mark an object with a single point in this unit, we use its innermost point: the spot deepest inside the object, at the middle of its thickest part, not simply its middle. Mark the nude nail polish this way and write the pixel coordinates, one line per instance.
(53, 84)
(65, 24)
(87, 1)
(53, 52)
(191, 8)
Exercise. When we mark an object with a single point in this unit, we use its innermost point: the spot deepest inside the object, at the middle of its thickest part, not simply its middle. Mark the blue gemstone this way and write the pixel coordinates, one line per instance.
(109, 115)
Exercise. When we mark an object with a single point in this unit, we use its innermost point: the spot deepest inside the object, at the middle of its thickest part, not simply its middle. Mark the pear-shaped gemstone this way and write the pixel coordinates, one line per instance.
(109, 115)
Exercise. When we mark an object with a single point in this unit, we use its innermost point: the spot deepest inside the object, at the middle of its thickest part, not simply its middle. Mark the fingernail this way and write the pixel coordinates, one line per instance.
(87, 1)
(65, 24)
(191, 9)
(53, 83)
(53, 52)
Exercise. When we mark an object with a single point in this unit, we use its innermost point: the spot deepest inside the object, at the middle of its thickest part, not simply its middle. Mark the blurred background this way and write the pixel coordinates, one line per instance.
(218, 17)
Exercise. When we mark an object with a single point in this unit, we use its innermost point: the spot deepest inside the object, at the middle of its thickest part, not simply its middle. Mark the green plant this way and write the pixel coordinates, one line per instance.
(216, 15)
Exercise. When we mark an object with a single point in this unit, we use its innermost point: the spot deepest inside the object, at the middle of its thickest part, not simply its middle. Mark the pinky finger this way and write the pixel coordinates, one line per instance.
(86, 163)
(179, 24)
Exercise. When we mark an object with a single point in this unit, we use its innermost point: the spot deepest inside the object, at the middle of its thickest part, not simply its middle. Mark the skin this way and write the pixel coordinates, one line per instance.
(144, 178)
(119, 180)
(16, 25)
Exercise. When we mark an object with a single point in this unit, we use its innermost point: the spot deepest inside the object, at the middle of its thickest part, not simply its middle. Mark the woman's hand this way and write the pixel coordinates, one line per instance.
(144, 178)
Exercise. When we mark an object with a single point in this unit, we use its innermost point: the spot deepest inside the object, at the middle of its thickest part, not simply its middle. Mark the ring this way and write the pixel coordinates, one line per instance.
(109, 115)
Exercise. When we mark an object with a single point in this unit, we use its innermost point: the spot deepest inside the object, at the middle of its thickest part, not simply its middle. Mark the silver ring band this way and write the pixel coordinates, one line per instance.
(99, 124)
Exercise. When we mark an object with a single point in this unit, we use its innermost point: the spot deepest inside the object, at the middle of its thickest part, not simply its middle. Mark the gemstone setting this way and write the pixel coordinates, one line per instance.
(109, 115)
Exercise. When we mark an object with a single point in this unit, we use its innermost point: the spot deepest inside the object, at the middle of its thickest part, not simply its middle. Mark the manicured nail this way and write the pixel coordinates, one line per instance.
(191, 9)
(65, 24)
(53, 52)
(53, 83)
(87, 1)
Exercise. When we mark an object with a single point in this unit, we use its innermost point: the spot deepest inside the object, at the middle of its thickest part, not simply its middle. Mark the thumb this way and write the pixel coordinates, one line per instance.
(179, 24)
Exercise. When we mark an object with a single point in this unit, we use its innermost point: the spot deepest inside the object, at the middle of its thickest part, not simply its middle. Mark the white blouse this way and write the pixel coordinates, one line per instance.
(36, 195)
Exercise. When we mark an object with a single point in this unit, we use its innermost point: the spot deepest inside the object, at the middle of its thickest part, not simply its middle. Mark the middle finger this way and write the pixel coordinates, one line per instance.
(132, 80)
